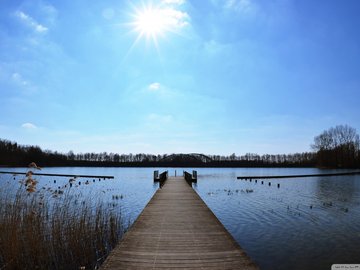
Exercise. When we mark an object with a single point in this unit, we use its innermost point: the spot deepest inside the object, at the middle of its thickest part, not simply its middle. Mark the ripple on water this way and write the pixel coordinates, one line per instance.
(307, 222)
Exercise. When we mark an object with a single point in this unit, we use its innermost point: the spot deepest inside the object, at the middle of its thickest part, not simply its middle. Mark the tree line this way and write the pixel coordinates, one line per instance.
(14, 154)
(337, 147)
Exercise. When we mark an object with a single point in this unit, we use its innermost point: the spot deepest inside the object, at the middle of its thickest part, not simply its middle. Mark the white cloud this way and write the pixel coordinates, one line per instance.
(154, 86)
(168, 18)
(175, 18)
(28, 126)
(161, 119)
(242, 6)
(31, 22)
(176, 2)
(160, 91)
(17, 78)
(22, 84)
(213, 47)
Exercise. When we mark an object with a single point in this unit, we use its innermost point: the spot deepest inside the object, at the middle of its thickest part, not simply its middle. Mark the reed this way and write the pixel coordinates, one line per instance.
(38, 231)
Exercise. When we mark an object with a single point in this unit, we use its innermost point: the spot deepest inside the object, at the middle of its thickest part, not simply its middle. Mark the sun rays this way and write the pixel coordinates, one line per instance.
(152, 23)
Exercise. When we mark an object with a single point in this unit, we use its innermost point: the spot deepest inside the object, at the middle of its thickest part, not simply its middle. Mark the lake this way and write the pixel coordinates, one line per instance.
(306, 223)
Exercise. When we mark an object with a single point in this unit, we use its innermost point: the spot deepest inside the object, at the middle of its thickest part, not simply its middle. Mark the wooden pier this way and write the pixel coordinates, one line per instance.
(176, 230)
(61, 175)
(296, 175)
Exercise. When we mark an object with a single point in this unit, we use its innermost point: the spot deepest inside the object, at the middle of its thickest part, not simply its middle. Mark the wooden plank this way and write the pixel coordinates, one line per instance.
(297, 175)
(176, 230)
(62, 175)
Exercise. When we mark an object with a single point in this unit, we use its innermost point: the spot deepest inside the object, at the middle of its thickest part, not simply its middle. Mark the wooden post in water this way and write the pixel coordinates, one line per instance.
(194, 175)
(156, 175)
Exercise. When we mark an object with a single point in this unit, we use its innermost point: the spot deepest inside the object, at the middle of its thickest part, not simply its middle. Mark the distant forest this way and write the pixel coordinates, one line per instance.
(338, 147)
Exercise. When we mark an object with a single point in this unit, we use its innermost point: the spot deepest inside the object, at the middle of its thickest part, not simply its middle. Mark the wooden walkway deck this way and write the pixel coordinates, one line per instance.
(176, 230)
(297, 175)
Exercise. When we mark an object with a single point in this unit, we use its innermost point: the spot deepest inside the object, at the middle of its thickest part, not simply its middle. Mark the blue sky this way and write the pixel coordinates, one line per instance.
(178, 76)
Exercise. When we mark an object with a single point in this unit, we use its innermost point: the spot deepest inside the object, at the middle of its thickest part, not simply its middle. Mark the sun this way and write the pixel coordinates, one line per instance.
(151, 22)
(154, 22)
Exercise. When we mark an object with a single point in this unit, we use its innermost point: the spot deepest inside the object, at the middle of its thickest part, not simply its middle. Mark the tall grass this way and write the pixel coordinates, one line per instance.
(40, 232)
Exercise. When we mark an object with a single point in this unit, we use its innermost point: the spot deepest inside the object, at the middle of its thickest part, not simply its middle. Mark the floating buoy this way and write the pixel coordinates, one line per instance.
(54, 181)
(79, 183)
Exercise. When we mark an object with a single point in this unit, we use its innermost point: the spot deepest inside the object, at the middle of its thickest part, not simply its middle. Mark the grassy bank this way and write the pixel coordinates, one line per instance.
(41, 231)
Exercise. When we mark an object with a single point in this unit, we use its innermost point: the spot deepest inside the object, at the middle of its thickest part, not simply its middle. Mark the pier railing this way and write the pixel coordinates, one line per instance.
(161, 178)
(190, 178)
(156, 175)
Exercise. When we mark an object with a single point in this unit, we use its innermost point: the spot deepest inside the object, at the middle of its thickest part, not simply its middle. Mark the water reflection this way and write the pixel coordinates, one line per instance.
(342, 189)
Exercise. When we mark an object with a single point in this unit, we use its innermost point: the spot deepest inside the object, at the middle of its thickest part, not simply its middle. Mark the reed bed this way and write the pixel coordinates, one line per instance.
(38, 231)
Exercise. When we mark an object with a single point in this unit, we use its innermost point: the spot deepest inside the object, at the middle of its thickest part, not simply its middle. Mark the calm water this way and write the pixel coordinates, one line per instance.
(307, 223)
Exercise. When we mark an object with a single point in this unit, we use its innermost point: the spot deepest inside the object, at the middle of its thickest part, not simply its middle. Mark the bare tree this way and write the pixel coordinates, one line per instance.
(337, 147)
